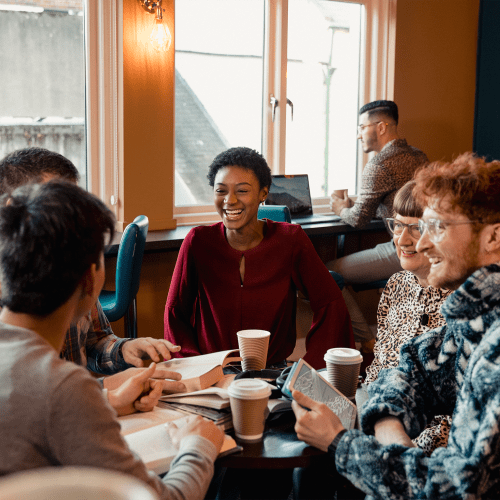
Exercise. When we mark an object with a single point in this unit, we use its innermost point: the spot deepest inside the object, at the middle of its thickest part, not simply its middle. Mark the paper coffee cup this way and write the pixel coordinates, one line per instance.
(342, 366)
(340, 192)
(253, 345)
(248, 399)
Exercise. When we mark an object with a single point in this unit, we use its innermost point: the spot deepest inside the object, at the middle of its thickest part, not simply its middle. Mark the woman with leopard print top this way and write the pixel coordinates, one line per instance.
(409, 306)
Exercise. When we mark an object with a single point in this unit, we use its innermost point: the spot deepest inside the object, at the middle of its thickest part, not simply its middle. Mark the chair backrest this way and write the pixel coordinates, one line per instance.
(129, 261)
(77, 483)
(277, 213)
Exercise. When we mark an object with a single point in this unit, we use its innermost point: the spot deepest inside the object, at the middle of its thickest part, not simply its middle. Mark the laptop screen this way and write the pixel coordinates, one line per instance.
(292, 191)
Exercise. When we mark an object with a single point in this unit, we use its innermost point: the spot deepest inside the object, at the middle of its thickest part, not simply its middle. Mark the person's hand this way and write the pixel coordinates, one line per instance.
(171, 386)
(134, 351)
(390, 430)
(338, 204)
(316, 427)
(138, 393)
(199, 426)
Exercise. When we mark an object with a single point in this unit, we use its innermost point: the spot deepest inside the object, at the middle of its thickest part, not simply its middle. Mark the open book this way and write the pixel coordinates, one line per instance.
(200, 372)
(213, 397)
(154, 447)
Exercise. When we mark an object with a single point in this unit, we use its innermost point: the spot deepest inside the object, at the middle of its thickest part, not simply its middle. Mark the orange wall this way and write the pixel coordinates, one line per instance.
(148, 121)
(435, 74)
(434, 88)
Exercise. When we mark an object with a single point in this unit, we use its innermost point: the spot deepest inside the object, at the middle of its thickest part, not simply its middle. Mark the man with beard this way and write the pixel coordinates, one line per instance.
(454, 369)
(393, 166)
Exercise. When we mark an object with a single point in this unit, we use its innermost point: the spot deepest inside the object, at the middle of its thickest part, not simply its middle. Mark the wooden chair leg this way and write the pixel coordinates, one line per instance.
(130, 320)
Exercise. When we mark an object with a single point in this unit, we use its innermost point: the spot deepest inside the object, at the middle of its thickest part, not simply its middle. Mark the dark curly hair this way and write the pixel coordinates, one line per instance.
(244, 158)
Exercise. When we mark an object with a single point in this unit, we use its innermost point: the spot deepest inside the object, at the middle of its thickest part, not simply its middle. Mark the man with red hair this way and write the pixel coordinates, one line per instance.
(454, 369)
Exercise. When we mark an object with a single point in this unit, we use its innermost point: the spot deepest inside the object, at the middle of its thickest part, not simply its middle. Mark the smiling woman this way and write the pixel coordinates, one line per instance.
(408, 306)
(244, 273)
(239, 189)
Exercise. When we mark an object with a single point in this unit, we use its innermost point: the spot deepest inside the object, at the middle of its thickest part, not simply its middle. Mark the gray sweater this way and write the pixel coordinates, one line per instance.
(52, 412)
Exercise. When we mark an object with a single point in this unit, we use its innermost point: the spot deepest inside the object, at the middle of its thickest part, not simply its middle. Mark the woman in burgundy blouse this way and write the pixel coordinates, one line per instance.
(244, 273)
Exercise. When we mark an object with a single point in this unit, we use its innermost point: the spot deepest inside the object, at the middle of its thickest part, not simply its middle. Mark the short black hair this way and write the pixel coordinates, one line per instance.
(244, 158)
(31, 165)
(386, 108)
(50, 234)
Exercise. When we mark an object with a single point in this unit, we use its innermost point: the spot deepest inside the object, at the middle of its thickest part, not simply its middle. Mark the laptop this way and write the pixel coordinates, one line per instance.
(294, 192)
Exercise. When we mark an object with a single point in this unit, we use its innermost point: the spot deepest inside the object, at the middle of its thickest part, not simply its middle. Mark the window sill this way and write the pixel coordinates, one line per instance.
(171, 240)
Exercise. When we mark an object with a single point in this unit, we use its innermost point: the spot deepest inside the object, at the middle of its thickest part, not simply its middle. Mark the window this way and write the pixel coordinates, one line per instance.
(42, 92)
(320, 59)
(324, 52)
(61, 93)
(218, 87)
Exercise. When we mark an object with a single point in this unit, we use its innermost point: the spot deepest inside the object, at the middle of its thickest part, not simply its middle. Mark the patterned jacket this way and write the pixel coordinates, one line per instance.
(453, 369)
(383, 175)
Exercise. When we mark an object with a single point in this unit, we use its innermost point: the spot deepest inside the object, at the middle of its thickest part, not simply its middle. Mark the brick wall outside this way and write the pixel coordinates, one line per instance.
(47, 4)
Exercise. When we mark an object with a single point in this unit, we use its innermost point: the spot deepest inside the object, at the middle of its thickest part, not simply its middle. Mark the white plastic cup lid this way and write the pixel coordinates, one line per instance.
(249, 388)
(343, 355)
(253, 334)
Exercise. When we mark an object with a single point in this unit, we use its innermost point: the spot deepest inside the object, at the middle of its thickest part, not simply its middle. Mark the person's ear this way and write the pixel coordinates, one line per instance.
(492, 238)
(381, 128)
(89, 280)
(263, 194)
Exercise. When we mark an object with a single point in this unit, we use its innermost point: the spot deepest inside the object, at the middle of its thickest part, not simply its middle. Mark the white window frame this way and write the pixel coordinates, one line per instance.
(377, 82)
(104, 98)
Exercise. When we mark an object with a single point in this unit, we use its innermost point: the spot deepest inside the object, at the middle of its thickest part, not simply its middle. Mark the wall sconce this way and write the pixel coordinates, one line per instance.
(160, 37)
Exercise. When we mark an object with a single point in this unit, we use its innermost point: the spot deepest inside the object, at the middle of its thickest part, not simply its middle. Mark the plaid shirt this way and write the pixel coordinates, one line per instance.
(92, 343)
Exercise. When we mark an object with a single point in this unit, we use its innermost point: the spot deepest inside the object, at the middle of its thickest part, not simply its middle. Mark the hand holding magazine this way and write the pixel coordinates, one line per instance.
(308, 381)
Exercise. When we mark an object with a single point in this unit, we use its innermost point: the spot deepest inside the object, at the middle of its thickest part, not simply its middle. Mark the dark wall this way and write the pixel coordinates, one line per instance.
(487, 111)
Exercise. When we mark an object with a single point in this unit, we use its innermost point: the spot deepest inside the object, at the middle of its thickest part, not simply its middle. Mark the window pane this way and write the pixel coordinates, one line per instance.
(218, 87)
(324, 45)
(42, 89)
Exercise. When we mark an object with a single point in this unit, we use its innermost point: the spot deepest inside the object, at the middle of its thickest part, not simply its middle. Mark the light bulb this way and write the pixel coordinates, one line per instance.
(160, 36)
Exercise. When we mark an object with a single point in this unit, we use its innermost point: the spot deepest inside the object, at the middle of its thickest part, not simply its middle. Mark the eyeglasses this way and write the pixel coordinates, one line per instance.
(362, 127)
(437, 227)
(397, 227)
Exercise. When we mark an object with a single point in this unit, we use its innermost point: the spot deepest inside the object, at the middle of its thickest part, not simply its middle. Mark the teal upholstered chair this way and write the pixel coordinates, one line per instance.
(122, 302)
(277, 213)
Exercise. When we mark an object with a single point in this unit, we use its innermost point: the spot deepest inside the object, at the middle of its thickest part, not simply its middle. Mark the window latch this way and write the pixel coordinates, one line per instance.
(274, 104)
(290, 103)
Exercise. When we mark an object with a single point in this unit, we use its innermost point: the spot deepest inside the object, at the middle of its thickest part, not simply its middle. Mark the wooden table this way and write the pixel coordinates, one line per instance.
(279, 449)
(263, 470)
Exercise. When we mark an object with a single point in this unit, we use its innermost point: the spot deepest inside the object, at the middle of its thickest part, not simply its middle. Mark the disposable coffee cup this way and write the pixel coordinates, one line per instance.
(342, 366)
(253, 345)
(340, 192)
(248, 399)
